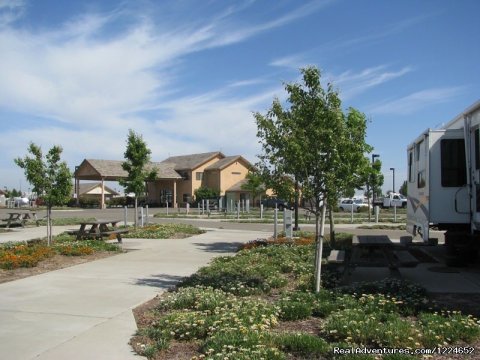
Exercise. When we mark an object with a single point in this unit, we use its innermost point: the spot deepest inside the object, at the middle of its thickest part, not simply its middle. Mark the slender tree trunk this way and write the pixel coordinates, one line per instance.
(320, 232)
(49, 225)
(136, 213)
(332, 226)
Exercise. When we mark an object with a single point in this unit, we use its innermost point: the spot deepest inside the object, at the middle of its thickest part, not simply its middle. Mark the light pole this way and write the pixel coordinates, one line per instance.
(373, 182)
(393, 169)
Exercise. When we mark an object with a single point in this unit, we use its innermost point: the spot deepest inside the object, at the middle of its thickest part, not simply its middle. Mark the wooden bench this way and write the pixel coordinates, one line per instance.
(405, 259)
(117, 233)
(336, 257)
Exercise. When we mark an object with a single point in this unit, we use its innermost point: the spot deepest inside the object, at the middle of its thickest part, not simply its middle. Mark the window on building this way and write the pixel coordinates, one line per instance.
(236, 173)
(477, 149)
(199, 175)
(420, 157)
(187, 198)
(410, 166)
(453, 172)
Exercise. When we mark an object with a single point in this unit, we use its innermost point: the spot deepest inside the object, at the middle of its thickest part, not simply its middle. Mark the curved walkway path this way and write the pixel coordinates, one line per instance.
(85, 311)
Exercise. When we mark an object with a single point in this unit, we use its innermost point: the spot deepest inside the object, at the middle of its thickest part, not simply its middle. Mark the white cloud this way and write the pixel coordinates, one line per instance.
(84, 91)
(352, 83)
(416, 101)
(294, 61)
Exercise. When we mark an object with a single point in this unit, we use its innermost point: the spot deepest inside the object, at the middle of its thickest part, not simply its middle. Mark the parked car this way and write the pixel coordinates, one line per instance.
(348, 204)
(274, 202)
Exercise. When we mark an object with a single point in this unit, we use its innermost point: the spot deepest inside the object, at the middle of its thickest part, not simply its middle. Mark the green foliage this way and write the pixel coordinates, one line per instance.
(302, 344)
(447, 328)
(163, 231)
(49, 177)
(254, 184)
(137, 158)
(313, 140)
(403, 188)
(204, 193)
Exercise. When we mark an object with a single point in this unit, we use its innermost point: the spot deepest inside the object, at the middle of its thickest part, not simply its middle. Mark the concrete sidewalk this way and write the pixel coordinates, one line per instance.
(18, 234)
(85, 311)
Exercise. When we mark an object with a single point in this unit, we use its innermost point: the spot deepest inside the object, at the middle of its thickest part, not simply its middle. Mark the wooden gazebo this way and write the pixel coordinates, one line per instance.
(111, 170)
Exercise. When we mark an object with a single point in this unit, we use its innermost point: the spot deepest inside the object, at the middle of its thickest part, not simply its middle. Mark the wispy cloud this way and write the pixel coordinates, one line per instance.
(416, 101)
(294, 61)
(10, 10)
(354, 83)
(85, 90)
(250, 30)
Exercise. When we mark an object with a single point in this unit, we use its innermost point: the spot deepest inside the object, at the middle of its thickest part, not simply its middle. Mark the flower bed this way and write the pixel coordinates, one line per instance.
(234, 308)
(163, 231)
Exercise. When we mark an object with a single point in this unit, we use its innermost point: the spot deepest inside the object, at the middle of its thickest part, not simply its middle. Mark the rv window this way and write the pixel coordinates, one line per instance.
(453, 163)
(421, 179)
(477, 149)
(410, 166)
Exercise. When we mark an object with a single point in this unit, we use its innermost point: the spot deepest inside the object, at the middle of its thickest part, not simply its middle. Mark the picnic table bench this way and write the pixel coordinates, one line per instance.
(99, 229)
(374, 251)
(20, 218)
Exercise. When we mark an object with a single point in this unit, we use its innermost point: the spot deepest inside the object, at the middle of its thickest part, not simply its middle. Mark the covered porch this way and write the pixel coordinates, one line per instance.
(111, 170)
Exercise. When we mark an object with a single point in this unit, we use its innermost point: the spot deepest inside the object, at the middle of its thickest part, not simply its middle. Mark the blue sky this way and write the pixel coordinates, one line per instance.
(187, 75)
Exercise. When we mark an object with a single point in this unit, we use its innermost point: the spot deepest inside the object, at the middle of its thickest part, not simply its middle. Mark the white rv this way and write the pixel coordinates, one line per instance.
(444, 180)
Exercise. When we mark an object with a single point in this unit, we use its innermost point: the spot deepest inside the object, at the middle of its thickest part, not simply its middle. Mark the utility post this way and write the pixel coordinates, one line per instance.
(373, 183)
(393, 170)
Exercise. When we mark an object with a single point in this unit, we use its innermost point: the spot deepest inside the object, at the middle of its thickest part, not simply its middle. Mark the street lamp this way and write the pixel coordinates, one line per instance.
(393, 169)
(373, 183)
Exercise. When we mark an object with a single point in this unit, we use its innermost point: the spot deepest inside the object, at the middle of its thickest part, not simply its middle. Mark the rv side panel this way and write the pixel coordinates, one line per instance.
(449, 202)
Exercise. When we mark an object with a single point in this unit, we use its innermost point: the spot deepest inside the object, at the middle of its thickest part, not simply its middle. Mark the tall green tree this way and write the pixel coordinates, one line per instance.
(49, 176)
(137, 159)
(315, 143)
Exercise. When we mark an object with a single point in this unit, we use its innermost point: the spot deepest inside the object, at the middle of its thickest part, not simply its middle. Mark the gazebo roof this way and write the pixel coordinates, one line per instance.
(111, 170)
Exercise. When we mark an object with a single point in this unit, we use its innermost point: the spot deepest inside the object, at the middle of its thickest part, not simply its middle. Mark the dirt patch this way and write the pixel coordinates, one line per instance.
(54, 263)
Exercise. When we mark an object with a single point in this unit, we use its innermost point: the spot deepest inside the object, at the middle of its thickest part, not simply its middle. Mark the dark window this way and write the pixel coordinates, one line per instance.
(454, 173)
(199, 175)
(410, 166)
(187, 198)
(477, 149)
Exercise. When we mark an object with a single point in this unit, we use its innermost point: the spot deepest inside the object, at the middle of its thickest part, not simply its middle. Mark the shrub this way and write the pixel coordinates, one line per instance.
(303, 344)
(448, 327)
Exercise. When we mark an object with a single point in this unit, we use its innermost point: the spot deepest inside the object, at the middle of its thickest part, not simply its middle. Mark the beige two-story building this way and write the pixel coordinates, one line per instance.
(178, 177)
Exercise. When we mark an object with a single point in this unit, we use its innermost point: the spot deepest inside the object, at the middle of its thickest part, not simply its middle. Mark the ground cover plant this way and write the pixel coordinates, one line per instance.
(30, 254)
(163, 231)
(259, 305)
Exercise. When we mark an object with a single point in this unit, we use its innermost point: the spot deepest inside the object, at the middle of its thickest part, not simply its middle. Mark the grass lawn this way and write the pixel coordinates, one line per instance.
(259, 304)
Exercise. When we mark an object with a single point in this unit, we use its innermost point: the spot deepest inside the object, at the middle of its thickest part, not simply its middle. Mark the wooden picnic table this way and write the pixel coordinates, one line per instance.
(20, 218)
(380, 251)
(99, 229)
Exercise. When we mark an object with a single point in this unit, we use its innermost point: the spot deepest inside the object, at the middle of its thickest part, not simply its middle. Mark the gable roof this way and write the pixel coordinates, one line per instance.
(223, 163)
(192, 161)
(85, 188)
(111, 170)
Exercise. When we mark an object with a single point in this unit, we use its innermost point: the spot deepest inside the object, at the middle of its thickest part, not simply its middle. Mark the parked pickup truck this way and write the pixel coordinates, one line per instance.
(391, 200)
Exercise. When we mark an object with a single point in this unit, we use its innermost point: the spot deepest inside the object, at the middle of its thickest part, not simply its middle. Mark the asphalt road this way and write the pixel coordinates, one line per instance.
(119, 213)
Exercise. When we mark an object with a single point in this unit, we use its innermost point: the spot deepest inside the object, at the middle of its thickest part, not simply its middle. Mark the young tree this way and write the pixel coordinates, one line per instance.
(137, 158)
(204, 193)
(403, 188)
(316, 144)
(254, 185)
(50, 178)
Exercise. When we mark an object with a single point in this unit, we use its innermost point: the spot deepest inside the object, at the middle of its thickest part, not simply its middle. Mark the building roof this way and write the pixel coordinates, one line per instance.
(223, 163)
(192, 161)
(111, 170)
(237, 187)
(85, 188)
